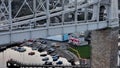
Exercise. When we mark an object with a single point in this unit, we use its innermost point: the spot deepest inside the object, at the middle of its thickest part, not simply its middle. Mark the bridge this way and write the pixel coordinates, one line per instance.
(31, 19)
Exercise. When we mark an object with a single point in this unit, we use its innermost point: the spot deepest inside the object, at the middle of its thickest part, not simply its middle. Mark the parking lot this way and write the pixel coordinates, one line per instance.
(49, 50)
(53, 48)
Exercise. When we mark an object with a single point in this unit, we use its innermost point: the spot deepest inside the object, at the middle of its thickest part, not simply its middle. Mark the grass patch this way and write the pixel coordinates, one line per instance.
(75, 52)
(84, 51)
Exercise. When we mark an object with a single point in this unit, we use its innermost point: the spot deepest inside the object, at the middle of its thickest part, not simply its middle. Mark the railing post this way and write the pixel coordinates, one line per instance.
(48, 15)
(86, 14)
(98, 12)
(63, 13)
(10, 19)
(76, 15)
(34, 10)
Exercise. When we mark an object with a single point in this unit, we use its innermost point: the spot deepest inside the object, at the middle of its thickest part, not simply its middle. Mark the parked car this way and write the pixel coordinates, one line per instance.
(55, 44)
(43, 41)
(43, 55)
(57, 55)
(29, 43)
(31, 53)
(59, 62)
(50, 50)
(19, 49)
(34, 48)
(45, 59)
(55, 58)
(3, 48)
(42, 47)
(48, 63)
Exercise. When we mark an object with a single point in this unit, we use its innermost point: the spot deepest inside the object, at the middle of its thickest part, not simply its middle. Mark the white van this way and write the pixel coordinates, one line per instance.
(77, 39)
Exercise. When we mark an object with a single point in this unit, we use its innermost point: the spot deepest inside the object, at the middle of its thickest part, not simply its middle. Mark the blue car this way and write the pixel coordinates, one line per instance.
(19, 49)
(55, 58)
(59, 62)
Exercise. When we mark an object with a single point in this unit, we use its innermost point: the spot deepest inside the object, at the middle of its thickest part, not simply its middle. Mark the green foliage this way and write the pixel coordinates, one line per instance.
(84, 51)
(71, 49)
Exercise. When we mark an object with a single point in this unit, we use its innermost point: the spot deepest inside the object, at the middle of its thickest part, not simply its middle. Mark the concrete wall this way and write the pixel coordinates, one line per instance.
(104, 48)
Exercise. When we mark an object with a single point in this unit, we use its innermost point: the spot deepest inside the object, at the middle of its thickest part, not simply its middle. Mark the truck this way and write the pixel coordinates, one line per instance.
(77, 39)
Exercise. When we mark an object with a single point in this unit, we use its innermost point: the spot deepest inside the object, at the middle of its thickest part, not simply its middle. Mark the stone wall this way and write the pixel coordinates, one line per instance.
(104, 48)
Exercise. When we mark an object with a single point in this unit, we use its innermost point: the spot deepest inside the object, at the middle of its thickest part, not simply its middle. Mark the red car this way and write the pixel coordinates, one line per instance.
(31, 53)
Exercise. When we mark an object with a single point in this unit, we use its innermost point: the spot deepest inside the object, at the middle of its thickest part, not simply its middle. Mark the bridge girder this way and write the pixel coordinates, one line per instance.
(37, 15)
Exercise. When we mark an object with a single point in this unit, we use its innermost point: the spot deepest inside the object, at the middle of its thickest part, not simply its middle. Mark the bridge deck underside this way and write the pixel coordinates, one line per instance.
(17, 36)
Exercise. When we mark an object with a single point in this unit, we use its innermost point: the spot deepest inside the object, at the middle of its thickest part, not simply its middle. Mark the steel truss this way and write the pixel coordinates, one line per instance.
(29, 19)
(32, 12)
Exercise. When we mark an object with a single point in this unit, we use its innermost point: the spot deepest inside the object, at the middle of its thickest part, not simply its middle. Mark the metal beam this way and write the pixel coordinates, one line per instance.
(47, 15)
(52, 15)
(10, 19)
(19, 36)
(76, 14)
(35, 11)
(67, 10)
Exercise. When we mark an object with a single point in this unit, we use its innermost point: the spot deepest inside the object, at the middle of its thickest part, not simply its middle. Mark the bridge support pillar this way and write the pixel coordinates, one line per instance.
(104, 48)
